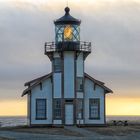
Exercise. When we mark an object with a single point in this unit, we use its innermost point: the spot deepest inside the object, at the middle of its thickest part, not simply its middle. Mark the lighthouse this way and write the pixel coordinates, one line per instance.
(68, 95)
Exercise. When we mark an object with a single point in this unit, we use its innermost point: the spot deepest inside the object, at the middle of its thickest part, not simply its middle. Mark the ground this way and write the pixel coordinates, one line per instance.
(72, 133)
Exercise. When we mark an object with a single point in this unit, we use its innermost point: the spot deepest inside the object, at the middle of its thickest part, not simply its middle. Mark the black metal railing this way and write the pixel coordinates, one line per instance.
(67, 46)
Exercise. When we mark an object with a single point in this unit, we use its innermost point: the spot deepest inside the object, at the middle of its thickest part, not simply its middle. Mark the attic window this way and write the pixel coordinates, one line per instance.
(79, 84)
(40, 86)
(57, 108)
(94, 108)
(94, 86)
(57, 65)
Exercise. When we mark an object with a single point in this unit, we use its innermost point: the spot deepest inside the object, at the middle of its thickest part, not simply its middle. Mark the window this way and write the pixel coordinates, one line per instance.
(40, 86)
(79, 84)
(41, 108)
(57, 65)
(79, 108)
(57, 108)
(68, 30)
(59, 33)
(67, 33)
(94, 106)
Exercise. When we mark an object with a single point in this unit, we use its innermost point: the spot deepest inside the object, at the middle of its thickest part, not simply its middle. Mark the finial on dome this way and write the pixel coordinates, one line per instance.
(67, 18)
(67, 10)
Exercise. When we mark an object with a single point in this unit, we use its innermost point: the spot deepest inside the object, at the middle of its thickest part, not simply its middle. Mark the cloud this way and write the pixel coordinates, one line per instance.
(112, 27)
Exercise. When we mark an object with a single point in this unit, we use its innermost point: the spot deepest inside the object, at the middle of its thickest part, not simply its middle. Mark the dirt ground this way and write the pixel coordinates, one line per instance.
(109, 130)
(116, 130)
(5, 138)
(72, 132)
(45, 130)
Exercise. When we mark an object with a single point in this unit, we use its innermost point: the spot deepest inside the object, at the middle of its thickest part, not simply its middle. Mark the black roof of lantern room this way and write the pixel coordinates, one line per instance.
(67, 19)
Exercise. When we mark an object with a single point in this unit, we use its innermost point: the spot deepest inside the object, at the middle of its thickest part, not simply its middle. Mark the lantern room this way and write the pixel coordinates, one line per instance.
(67, 36)
(67, 28)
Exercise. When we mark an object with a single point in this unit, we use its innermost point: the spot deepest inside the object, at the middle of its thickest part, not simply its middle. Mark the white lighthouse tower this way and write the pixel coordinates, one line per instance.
(67, 96)
(67, 55)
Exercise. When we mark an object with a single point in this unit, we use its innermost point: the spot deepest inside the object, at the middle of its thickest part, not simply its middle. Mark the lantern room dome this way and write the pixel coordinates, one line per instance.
(67, 19)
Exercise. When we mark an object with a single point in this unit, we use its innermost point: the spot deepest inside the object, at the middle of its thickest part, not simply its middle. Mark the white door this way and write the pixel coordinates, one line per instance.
(69, 114)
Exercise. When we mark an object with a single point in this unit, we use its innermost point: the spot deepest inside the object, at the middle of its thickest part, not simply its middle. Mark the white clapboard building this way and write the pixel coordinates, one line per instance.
(67, 95)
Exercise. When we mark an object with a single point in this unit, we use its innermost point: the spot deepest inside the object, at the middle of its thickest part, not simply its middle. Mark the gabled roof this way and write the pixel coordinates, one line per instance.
(37, 81)
(91, 78)
(101, 84)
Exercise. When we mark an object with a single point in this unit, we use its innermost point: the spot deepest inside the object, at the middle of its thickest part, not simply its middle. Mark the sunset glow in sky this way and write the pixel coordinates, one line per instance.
(113, 27)
(122, 107)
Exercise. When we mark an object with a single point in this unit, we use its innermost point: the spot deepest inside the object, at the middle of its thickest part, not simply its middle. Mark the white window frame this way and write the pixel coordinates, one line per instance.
(79, 84)
(94, 108)
(57, 109)
(57, 64)
(41, 109)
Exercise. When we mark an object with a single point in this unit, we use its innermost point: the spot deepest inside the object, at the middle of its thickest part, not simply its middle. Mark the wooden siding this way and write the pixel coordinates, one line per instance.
(90, 93)
(80, 95)
(80, 65)
(28, 109)
(57, 85)
(45, 93)
(69, 75)
(57, 122)
(80, 72)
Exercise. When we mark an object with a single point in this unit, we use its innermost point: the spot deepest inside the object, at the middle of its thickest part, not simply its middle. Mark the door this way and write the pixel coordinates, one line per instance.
(69, 114)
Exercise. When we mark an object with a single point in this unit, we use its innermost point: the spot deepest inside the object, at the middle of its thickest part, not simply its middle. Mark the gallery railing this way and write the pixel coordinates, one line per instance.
(67, 46)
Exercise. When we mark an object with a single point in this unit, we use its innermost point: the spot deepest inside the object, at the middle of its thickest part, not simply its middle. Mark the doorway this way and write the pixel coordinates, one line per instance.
(69, 114)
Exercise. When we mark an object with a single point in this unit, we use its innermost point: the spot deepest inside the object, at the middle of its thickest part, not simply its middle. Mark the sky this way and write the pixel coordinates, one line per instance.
(113, 27)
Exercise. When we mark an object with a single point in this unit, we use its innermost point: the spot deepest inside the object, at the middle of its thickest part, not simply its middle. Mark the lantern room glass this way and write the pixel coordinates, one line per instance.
(67, 33)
